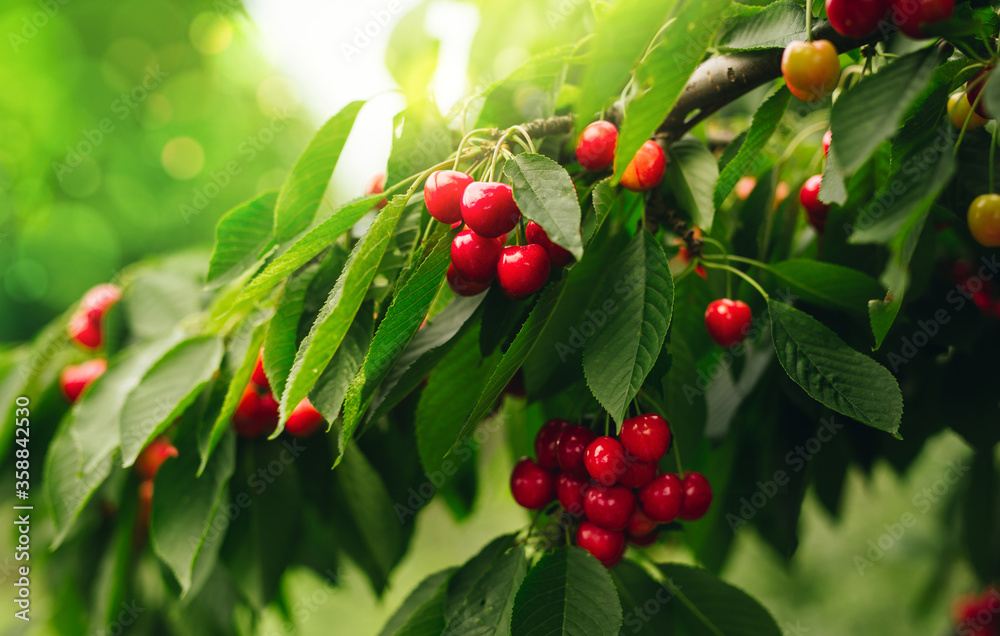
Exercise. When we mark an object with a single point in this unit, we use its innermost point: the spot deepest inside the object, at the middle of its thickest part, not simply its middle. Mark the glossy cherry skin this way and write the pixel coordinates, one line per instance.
(98, 300)
(639, 524)
(461, 286)
(811, 69)
(637, 474)
(570, 448)
(856, 18)
(545, 443)
(697, 497)
(662, 498)
(646, 169)
(152, 457)
(605, 460)
(376, 185)
(475, 257)
(75, 378)
(607, 546)
(972, 90)
(488, 208)
(910, 15)
(816, 210)
(827, 140)
(523, 270)
(304, 420)
(255, 415)
(258, 376)
(727, 321)
(646, 437)
(571, 492)
(595, 150)
(443, 192)
(558, 256)
(984, 220)
(84, 331)
(609, 507)
(959, 109)
(533, 487)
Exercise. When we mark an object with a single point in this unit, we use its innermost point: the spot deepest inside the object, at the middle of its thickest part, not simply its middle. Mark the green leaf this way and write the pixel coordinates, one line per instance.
(896, 277)
(827, 284)
(636, 588)
(309, 245)
(832, 188)
(773, 28)
(156, 301)
(832, 373)
(568, 592)
(185, 506)
(544, 192)
(302, 192)
(166, 389)
(663, 73)
(618, 357)
(489, 604)
(707, 605)
(621, 37)
(461, 582)
(423, 610)
(240, 238)
(691, 174)
(604, 197)
(861, 118)
(338, 313)
(991, 93)
(423, 141)
(412, 53)
(765, 122)
(331, 388)
(504, 102)
(280, 342)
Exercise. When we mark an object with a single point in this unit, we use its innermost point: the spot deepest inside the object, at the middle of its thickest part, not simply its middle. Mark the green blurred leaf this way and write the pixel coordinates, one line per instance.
(530, 92)
(773, 28)
(412, 53)
(489, 604)
(423, 610)
(636, 588)
(462, 581)
(331, 388)
(544, 192)
(832, 188)
(280, 342)
(710, 606)
(240, 239)
(156, 301)
(423, 141)
(765, 122)
(691, 174)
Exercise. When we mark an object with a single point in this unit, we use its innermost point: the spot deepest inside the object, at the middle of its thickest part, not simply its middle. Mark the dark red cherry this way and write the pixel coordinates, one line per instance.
(611, 507)
(661, 499)
(558, 256)
(463, 287)
(488, 208)
(646, 437)
(443, 192)
(607, 546)
(475, 257)
(605, 460)
(637, 474)
(697, 497)
(570, 448)
(532, 486)
(639, 524)
(545, 443)
(571, 492)
(523, 270)
(304, 420)
(727, 321)
(595, 149)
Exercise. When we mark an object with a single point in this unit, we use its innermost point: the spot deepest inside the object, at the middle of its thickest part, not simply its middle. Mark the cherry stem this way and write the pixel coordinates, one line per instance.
(809, 21)
(607, 421)
(465, 139)
(524, 133)
(725, 255)
(741, 274)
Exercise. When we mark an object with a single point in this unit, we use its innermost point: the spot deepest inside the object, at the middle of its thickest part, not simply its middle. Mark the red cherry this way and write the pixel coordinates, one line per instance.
(523, 270)
(570, 448)
(856, 18)
(376, 185)
(607, 546)
(571, 492)
(148, 463)
(545, 443)
(911, 15)
(827, 140)
(443, 194)
(605, 460)
(661, 499)
(259, 377)
(74, 378)
(98, 300)
(595, 150)
(488, 208)
(475, 257)
(809, 196)
(646, 437)
(84, 331)
(639, 524)
(697, 497)
(972, 89)
(646, 169)
(255, 415)
(145, 508)
(637, 474)
(532, 486)
(727, 321)
(611, 507)
(558, 256)
(463, 287)
(642, 540)
(304, 420)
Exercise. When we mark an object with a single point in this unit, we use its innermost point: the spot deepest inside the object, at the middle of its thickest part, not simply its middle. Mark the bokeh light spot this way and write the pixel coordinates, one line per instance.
(182, 158)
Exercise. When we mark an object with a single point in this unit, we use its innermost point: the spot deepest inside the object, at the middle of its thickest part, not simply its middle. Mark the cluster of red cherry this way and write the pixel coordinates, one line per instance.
(257, 412)
(978, 615)
(816, 210)
(86, 330)
(612, 487)
(982, 292)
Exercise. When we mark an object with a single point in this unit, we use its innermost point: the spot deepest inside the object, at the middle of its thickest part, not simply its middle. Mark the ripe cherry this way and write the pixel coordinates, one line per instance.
(642, 540)
(523, 270)
(727, 321)
(475, 257)
(461, 286)
(443, 192)
(488, 208)
(98, 300)
(84, 331)
(697, 497)
(646, 169)
(259, 377)
(662, 498)
(595, 150)
(637, 474)
(609, 507)
(984, 219)
(607, 546)
(532, 486)
(145, 507)
(304, 420)
(376, 185)
(152, 457)
(571, 492)
(856, 18)
(816, 210)
(545, 443)
(605, 460)
(911, 15)
(558, 256)
(960, 109)
(973, 88)
(646, 437)
(827, 140)
(75, 378)
(811, 69)
(255, 415)
(639, 524)
(570, 448)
